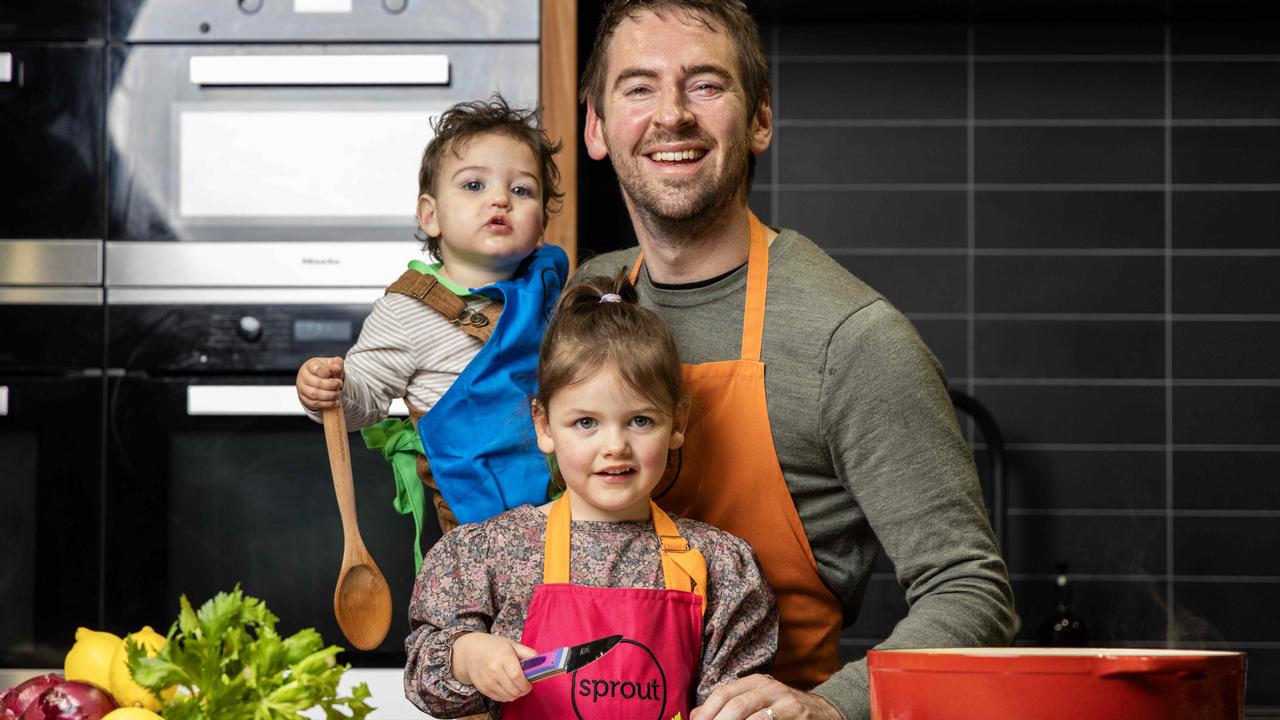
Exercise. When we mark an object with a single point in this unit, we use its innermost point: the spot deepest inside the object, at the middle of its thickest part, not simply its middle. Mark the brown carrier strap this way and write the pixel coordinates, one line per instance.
(429, 289)
(444, 515)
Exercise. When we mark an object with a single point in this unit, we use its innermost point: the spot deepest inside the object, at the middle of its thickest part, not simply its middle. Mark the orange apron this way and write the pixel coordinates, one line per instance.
(729, 477)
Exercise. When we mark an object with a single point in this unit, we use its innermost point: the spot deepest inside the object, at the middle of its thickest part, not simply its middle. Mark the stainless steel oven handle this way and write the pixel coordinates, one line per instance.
(4, 400)
(254, 401)
(6, 67)
(318, 70)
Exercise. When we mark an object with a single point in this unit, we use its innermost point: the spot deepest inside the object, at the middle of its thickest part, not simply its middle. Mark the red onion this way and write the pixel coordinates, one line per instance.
(70, 700)
(19, 697)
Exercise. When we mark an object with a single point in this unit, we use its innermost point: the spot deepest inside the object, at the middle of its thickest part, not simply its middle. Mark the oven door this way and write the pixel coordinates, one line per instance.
(309, 152)
(50, 542)
(51, 110)
(219, 481)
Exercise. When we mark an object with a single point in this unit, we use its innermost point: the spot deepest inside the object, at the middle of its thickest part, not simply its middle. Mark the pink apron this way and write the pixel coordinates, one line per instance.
(651, 673)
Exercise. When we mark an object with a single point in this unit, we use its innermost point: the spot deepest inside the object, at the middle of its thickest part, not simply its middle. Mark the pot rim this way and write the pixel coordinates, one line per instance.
(1061, 652)
(1101, 662)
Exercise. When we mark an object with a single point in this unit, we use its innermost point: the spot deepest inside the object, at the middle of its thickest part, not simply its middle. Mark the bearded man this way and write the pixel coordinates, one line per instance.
(823, 432)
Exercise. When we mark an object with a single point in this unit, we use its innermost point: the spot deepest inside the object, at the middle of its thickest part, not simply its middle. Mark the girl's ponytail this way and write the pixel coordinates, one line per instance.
(598, 326)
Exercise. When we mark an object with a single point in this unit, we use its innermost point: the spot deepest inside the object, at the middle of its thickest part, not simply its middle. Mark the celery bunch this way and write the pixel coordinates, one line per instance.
(232, 665)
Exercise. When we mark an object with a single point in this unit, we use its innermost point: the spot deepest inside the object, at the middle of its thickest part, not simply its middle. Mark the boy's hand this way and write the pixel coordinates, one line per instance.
(492, 664)
(320, 383)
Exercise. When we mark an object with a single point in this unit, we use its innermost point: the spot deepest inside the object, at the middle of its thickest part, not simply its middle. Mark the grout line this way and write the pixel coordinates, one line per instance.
(1144, 447)
(1171, 604)
(971, 222)
(1056, 252)
(775, 155)
(1125, 578)
(1123, 382)
(995, 59)
(1023, 122)
(1132, 447)
(1145, 512)
(1022, 187)
(1098, 317)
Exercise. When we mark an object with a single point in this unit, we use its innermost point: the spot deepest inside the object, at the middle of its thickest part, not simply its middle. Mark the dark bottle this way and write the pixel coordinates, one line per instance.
(1063, 628)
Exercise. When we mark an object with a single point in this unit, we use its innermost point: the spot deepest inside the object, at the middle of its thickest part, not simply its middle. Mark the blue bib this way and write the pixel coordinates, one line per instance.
(479, 438)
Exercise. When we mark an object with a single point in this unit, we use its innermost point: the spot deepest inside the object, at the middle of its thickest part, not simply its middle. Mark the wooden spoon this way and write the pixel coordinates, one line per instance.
(362, 600)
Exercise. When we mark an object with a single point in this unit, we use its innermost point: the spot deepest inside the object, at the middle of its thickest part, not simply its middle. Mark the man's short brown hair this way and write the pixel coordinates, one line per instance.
(468, 120)
(730, 16)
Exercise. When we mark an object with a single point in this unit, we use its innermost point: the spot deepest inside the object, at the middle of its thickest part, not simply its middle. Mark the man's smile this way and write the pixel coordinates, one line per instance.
(677, 155)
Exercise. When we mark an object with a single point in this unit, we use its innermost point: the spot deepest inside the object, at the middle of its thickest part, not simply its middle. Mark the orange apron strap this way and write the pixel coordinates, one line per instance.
(757, 287)
(555, 565)
(683, 567)
(635, 269)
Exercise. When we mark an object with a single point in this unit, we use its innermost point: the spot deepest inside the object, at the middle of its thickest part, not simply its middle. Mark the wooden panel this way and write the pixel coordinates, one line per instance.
(560, 112)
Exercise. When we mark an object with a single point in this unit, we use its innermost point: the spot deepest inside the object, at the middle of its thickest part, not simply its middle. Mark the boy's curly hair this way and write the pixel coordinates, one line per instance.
(468, 120)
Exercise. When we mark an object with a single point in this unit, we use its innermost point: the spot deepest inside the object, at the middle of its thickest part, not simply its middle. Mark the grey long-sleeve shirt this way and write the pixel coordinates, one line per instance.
(868, 443)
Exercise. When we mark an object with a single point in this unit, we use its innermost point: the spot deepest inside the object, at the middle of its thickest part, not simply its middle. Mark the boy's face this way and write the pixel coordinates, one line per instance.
(487, 207)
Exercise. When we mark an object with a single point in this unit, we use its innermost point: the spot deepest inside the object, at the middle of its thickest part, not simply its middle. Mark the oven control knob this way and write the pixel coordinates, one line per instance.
(250, 328)
(395, 6)
(249, 7)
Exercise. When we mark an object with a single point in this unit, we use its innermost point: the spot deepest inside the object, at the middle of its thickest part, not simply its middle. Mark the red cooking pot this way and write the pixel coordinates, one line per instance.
(1056, 684)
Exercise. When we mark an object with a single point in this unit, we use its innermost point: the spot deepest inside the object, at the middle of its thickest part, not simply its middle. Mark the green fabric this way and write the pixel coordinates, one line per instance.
(398, 440)
(434, 269)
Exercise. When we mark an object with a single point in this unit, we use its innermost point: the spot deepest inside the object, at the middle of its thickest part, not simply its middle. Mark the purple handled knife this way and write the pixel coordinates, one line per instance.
(566, 659)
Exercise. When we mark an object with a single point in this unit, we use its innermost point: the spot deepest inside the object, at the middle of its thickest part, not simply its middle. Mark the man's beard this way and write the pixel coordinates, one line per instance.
(686, 206)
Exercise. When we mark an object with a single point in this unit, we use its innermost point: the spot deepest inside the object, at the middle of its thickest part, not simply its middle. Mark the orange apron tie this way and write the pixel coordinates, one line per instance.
(729, 477)
(683, 567)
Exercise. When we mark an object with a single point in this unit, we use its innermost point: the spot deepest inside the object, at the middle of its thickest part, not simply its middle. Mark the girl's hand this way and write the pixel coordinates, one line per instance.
(492, 665)
(319, 383)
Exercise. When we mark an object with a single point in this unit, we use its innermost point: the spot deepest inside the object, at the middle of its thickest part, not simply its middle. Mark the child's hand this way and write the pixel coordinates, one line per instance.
(492, 664)
(320, 383)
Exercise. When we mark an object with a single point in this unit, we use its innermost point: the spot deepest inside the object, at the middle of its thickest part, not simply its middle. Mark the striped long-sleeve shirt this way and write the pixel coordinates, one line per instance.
(405, 350)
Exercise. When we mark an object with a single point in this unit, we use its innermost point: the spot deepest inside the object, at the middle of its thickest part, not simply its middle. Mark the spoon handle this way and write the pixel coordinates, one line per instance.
(335, 436)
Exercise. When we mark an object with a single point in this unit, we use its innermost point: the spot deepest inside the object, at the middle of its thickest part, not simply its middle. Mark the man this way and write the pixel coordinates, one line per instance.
(825, 431)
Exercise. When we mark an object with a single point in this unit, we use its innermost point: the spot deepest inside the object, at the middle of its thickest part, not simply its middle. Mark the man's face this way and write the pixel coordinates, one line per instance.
(675, 117)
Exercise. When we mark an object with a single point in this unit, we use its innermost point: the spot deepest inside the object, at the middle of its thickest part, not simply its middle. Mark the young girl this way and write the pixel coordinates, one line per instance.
(689, 600)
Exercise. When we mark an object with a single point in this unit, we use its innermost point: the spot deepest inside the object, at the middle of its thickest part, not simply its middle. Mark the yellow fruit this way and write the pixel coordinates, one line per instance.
(126, 692)
(131, 713)
(90, 658)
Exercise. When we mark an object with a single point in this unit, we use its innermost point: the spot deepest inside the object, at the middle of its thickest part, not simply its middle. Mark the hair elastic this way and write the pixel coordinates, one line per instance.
(610, 297)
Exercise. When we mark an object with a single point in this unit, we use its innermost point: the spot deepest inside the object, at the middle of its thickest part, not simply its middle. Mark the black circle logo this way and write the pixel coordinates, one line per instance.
(628, 682)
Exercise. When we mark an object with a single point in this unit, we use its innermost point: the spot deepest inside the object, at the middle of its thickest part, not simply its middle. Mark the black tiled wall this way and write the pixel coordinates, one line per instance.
(1083, 221)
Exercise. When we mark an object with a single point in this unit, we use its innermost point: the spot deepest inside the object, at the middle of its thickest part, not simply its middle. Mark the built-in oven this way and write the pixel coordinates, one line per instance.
(51, 471)
(52, 105)
(214, 478)
(273, 142)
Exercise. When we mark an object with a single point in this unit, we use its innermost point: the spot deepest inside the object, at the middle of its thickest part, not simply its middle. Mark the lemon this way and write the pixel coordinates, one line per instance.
(127, 693)
(131, 713)
(90, 658)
